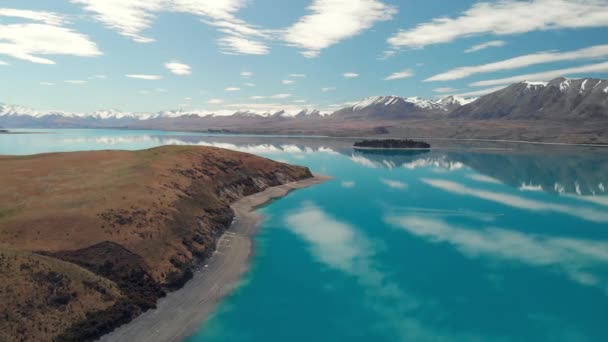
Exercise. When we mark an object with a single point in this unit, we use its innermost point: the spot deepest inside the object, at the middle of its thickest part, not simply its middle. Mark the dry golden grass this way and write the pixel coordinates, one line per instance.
(137, 218)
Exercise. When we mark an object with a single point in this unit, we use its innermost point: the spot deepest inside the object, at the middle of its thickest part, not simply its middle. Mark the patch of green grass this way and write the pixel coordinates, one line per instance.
(6, 213)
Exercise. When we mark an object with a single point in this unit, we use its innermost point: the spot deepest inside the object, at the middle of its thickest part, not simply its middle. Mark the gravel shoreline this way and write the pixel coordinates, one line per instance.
(181, 313)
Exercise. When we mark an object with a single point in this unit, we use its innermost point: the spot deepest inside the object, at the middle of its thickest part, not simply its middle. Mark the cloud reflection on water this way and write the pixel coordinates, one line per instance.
(585, 213)
(575, 258)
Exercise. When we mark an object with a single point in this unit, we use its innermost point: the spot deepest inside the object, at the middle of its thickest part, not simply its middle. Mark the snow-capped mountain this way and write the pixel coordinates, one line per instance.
(558, 99)
(396, 107)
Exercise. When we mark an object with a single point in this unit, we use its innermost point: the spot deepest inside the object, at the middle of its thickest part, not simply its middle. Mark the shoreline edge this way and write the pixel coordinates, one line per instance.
(179, 314)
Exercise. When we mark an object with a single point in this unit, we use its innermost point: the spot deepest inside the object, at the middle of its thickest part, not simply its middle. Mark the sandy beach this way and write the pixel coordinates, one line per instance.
(181, 313)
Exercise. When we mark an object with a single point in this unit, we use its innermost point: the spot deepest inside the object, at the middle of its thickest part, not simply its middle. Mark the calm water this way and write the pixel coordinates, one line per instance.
(459, 244)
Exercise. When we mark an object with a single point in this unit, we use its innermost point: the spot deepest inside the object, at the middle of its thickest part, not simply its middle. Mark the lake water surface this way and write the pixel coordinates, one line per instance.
(500, 242)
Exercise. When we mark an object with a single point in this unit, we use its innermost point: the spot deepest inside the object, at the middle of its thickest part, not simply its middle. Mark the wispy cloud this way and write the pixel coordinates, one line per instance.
(131, 18)
(246, 74)
(444, 90)
(296, 75)
(486, 45)
(45, 36)
(249, 84)
(179, 68)
(75, 81)
(287, 81)
(546, 75)
(331, 21)
(47, 83)
(481, 92)
(400, 75)
(215, 101)
(280, 96)
(505, 17)
(144, 77)
(328, 89)
(257, 97)
(593, 52)
(350, 75)
(242, 45)
(232, 89)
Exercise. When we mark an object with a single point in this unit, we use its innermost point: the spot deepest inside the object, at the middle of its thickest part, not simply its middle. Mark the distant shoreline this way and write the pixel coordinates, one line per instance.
(394, 148)
(181, 313)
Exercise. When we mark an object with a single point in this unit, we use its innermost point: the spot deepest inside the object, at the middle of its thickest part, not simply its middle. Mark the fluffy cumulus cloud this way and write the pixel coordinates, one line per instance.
(592, 52)
(331, 21)
(41, 34)
(179, 68)
(400, 75)
(505, 17)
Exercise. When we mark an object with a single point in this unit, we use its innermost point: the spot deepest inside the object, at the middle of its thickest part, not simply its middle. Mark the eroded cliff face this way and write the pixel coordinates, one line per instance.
(140, 221)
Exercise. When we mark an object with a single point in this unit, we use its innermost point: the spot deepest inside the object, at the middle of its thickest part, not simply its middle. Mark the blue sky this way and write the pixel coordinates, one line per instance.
(228, 55)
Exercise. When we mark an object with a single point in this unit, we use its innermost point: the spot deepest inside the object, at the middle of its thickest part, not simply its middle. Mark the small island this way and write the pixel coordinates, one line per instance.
(4, 131)
(392, 144)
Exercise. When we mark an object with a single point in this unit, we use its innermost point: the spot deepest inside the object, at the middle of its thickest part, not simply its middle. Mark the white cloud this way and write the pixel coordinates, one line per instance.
(144, 77)
(444, 90)
(394, 184)
(506, 17)
(75, 81)
(239, 45)
(328, 89)
(547, 75)
(281, 96)
(99, 77)
(47, 36)
(179, 68)
(287, 81)
(481, 92)
(246, 74)
(300, 101)
(296, 75)
(486, 45)
(48, 18)
(350, 75)
(593, 52)
(232, 89)
(47, 83)
(215, 101)
(131, 17)
(331, 21)
(400, 75)
(257, 97)
(3, 63)
(249, 84)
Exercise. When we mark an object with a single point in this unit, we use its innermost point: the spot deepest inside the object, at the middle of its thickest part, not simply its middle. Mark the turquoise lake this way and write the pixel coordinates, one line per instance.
(466, 242)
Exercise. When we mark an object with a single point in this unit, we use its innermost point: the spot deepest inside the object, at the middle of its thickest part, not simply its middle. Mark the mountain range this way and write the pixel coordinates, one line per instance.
(558, 99)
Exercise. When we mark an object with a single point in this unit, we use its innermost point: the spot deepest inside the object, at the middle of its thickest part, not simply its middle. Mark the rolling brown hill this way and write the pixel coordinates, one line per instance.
(88, 240)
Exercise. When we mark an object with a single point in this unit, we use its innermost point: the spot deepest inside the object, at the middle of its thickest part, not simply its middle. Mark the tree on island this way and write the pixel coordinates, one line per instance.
(392, 143)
